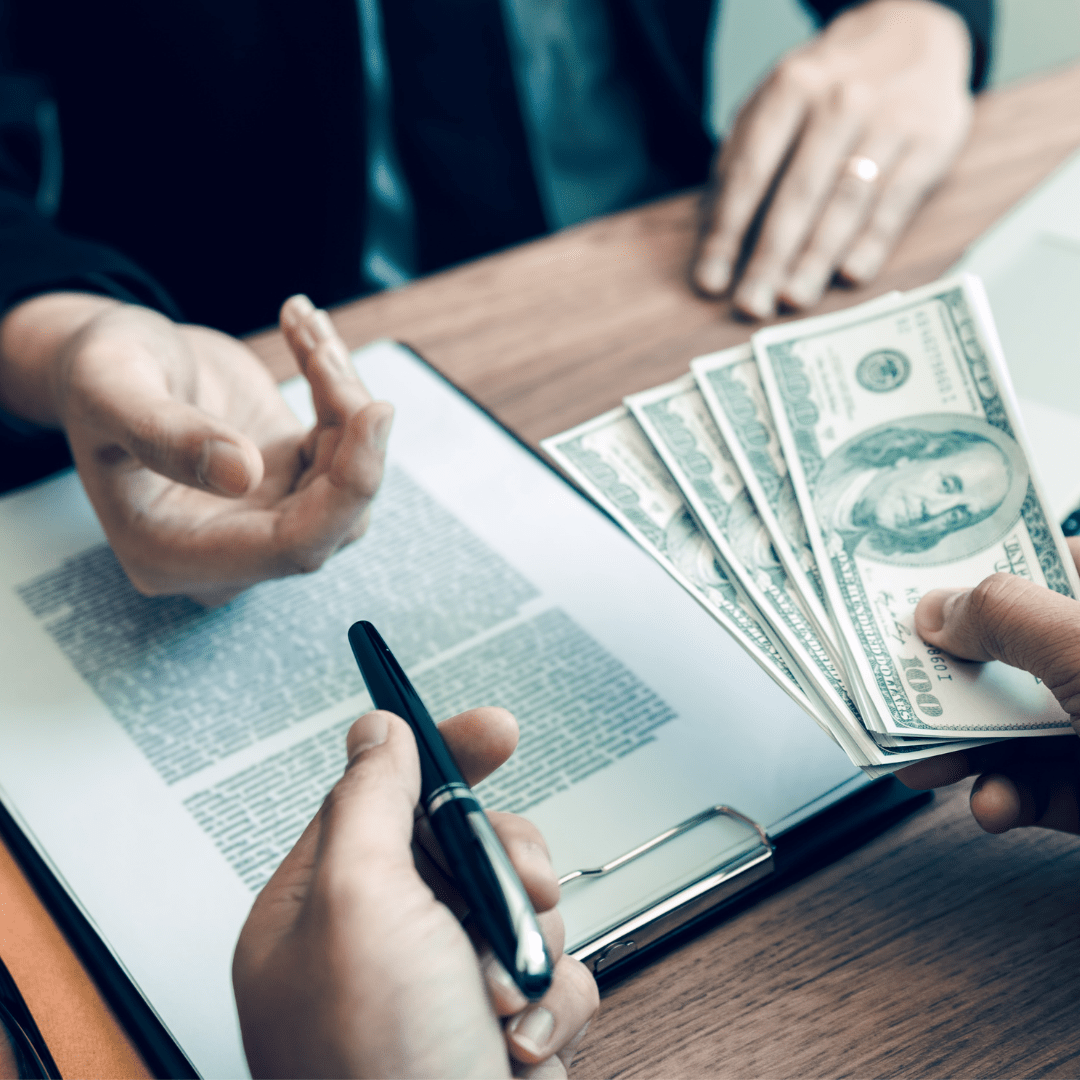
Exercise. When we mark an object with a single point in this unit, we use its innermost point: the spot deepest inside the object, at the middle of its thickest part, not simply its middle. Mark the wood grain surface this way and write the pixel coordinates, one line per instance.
(933, 951)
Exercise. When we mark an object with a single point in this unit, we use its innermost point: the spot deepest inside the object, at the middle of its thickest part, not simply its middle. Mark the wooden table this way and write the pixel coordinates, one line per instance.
(932, 951)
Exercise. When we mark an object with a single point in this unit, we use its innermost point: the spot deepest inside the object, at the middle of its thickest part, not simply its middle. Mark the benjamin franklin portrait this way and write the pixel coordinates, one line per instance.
(927, 490)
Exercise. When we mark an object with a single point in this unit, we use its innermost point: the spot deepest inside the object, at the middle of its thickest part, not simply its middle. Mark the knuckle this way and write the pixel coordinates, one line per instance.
(1068, 694)
(851, 195)
(303, 561)
(582, 983)
(800, 75)
(146, 581)
(993, 600)
(142, 560)
(851, 97)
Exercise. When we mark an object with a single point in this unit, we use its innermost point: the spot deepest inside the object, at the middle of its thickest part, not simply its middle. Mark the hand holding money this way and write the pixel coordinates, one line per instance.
(1023, 781)
(833, 473)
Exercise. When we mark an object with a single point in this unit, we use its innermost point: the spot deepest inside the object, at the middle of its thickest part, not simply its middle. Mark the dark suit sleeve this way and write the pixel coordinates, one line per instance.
(978, 14)
(35, 255)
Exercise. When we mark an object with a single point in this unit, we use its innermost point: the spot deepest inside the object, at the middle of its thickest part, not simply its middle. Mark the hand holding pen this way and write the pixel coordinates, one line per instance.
(352, 963)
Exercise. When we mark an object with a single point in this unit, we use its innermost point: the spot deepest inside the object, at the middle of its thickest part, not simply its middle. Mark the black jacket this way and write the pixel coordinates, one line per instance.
(214, 150)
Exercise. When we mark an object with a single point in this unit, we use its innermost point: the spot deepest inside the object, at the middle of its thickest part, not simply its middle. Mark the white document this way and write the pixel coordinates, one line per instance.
(1030, 264)
(163, 758)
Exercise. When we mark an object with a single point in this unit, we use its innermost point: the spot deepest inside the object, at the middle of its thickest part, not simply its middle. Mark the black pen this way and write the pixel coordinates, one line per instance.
(482, 870)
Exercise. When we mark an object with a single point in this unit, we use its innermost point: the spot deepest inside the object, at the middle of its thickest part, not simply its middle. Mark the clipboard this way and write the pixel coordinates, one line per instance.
(743, 879)
(686, 819)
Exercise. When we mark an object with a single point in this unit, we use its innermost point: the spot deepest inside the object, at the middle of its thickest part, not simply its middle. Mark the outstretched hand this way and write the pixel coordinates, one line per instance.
(353, 961)
(841, 143)
(202, 478)
(1023, 781)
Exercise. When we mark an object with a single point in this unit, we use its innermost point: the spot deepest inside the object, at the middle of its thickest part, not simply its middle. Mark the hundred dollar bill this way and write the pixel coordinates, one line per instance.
(614, 462)
(908, 460)
(732, 390)
(731, 385)
(677, 422)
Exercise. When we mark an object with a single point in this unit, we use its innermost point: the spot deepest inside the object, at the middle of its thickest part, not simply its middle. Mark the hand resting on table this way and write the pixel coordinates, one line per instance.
(853, 129)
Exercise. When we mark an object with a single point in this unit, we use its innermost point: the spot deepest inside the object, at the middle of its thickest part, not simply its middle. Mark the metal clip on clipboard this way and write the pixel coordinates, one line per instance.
(680, 907)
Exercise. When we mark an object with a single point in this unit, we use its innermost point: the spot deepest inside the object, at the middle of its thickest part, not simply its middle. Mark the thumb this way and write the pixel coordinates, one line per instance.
(1010, 619)
(368, 815)
(188, 445)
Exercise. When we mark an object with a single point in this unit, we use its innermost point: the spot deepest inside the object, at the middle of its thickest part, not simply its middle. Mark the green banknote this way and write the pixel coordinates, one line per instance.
(732, 390)
(677, 422)
(911, 470)
(613, 461)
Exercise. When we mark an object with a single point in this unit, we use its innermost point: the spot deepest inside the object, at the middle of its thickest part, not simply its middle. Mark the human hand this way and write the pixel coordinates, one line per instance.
(886, 83)
(202, 478)
(352, 964)
(1024, 781)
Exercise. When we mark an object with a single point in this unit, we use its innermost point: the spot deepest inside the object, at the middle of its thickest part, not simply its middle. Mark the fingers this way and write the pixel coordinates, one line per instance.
(759, 143)
(556, 1023)
(935, 772)
(506, 996)
(884, 83)
(1024, 782)
(1045, 797)
(902, 193)
(277, 906)
(363, 827)
(367, 819)
(134, 393)
(176, 440)
(528, 852)
(850, 204)
(332, 506)
(1013, 620)
(324, 359)
(824, 146)
(480, 740)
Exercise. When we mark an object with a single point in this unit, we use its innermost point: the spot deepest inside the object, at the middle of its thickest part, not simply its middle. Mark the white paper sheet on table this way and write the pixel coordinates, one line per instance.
(1030, 264)
(162, 758)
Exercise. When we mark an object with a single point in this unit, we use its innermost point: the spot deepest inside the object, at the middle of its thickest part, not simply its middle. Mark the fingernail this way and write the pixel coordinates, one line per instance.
(380, 433)
(858, 268)
(532, 1029)
(222, 468)
(296, 309)
(368, 732)
(757, 299)
(324, 329)
(802, 291)
(934, 609)
(306, 336)
(714, 275)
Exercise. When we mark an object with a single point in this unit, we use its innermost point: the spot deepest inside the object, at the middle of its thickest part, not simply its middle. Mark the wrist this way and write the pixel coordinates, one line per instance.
(33, 340)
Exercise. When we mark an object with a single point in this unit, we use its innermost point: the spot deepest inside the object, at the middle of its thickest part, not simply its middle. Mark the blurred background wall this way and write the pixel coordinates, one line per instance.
(1031, 36)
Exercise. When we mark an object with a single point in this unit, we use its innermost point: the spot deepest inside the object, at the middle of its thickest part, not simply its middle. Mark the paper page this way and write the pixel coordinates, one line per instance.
(1030, 264)
(164, 758)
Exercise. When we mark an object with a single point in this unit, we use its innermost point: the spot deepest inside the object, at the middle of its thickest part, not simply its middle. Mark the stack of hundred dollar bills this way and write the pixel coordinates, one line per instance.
(809, 487)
